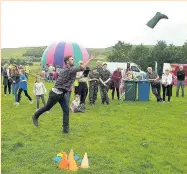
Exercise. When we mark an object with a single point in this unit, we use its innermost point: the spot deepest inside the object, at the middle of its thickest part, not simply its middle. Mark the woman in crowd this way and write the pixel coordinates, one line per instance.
(15, 84)
(7, 80)
(23, 87)
(166, 85)
(116, 79)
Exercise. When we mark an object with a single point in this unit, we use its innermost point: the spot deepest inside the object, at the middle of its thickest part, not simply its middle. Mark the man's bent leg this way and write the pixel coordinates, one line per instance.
(52, 100)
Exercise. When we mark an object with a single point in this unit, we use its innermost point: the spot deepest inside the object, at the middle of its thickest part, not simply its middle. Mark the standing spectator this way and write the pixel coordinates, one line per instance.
(7, 80)
(23, 87)
(116, 79)
(180, 81)
(15, 84)
(76, 85)
(155, 83)
(105, 77)
(166, 85)
(122, 83)
(99, 70)
(6, 65)
(83, 87)
(39, 91)
(50, 70)
(93, 85)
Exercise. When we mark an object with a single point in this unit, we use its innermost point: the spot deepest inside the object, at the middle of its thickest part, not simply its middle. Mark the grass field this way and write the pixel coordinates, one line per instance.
(123, 137)
(16, 53)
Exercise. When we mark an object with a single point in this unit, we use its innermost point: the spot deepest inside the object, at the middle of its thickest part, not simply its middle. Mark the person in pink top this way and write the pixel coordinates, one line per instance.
(116, 80)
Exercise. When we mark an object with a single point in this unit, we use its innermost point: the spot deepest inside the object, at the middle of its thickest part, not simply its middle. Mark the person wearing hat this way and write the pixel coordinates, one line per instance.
(166, 85)
(105, 77)
(116, 79)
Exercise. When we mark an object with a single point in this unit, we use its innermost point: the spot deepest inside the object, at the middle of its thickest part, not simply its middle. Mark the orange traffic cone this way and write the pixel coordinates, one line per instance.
(85, 163)
(72, 162)
(64, 162)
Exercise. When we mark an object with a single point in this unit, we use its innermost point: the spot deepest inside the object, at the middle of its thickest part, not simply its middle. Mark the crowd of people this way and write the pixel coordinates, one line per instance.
(85, 82)
(15, 78)
(50, 73)
(99, 79)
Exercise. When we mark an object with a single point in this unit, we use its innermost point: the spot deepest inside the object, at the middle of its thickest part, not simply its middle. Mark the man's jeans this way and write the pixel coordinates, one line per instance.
(156, 91)
(52, 100)
(180, 83)
(68, 95)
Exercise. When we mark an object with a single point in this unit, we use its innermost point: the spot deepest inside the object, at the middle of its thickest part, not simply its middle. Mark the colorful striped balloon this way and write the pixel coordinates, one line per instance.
(55, 53)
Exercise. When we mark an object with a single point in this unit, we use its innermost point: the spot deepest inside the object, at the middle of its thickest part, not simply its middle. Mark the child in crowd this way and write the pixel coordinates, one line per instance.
(39, 91)
(75, 105)
(23, 87)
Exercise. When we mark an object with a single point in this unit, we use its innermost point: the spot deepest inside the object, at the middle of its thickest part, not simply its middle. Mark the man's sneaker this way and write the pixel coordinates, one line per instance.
(37, 109)
(35, 121)
(31, 102)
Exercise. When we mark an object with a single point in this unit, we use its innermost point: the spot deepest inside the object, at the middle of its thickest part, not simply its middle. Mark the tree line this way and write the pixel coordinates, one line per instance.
(146, 56)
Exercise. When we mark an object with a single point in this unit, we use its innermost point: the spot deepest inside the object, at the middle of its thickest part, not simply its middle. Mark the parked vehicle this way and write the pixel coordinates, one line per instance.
(112, 66)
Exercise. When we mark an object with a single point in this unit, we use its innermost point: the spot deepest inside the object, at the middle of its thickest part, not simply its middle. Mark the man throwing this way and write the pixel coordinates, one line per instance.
(65, 80)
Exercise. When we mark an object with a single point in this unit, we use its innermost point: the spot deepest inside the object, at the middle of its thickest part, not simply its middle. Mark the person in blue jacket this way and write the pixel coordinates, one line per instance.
(23, 87)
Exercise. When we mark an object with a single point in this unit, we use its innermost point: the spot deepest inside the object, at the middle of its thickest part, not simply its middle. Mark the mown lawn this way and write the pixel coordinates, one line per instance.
(16, 53)
(124, 137)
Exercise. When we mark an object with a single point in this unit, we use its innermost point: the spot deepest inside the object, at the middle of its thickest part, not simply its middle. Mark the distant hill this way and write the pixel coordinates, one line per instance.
(17, 53)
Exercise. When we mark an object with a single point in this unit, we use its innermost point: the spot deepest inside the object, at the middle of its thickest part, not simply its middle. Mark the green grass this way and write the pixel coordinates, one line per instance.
(124, 137)
(16, 53)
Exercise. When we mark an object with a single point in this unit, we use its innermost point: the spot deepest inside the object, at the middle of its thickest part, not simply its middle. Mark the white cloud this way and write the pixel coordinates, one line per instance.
(92, 24)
